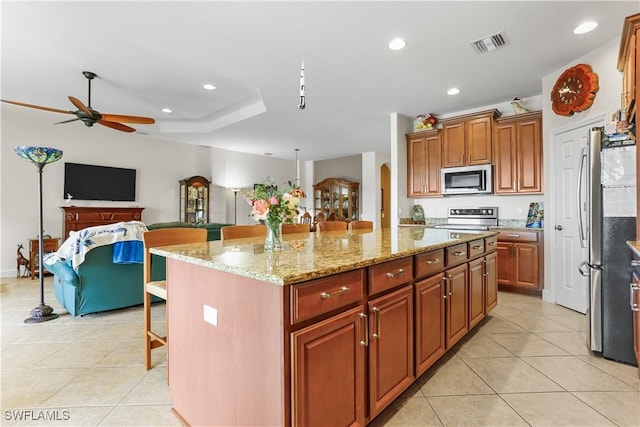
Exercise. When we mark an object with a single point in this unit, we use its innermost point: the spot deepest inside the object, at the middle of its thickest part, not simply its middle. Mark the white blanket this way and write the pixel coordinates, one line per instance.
(75, 248)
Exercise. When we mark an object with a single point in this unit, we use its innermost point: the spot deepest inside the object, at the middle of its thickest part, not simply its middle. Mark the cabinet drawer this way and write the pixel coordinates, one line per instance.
(321, 296)
(517, 236)
(390, 274)
(455, 254)
(476, 248)
(429, 263)
(491, 243)
(50, 245)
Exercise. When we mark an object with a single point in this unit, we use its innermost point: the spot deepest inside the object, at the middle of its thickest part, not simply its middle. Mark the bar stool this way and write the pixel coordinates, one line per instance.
(240, 231)
(158, 288)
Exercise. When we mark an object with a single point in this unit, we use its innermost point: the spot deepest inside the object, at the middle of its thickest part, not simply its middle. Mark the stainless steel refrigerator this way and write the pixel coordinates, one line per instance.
(607, 219)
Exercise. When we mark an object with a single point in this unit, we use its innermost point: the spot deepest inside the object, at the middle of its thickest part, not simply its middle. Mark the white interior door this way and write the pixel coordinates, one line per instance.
(572, 289)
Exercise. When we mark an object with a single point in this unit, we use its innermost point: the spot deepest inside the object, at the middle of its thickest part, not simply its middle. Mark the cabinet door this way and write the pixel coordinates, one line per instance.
(430, 324)
(453, 146)
(505, 263)
(476, 291)
(526, 263)
(529, 156)
(478, 141)
(328, 372)
(457, 314)
(434, 163)
(390, 348)
(491, 282)
(504, 157)
(416, 165)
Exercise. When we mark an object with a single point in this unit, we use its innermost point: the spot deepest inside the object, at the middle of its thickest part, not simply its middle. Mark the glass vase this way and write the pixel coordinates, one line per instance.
(274, 236)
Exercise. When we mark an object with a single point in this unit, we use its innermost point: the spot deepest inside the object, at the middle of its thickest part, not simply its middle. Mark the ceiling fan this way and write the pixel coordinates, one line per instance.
(89, 116)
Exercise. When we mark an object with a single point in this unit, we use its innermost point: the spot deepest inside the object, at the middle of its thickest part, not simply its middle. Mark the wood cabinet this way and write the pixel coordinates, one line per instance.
(635, 307)
(336, 196)
(391, 368)
(424, 151)
(194, 200)
(483, 284)
(628, 64)
(48, 245)
(456, 312)
(466, 140)
(521, 261)
(517, 154)
(78, 217)
(328, 366)
(430, 322)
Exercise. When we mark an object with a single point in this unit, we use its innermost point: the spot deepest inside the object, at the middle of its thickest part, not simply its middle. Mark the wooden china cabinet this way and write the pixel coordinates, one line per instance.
(194, 200)
(336, 196)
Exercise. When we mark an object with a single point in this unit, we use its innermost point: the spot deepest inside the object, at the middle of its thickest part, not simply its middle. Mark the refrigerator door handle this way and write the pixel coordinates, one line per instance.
(583, 269)
(581, 233)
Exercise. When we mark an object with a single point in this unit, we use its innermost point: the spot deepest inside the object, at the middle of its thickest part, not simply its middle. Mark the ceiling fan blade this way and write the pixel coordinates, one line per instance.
(22, 104)
(80, 106)
(117, 126)
(67, 121)
(127, 119)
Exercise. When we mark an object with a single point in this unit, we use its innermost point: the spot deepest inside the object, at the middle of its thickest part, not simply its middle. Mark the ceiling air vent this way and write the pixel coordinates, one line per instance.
(489, 43)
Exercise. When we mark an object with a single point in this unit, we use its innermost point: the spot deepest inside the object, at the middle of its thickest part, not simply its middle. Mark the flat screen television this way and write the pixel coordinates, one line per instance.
(91, 182)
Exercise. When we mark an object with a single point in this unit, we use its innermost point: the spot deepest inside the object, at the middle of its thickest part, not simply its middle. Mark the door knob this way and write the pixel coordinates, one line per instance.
(558, 227)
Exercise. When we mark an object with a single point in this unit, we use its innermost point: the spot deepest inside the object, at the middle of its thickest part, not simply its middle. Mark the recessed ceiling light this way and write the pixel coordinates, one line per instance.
(397, 44)
(167, 110)
(209, 86)
(585, 27)
(453, 91)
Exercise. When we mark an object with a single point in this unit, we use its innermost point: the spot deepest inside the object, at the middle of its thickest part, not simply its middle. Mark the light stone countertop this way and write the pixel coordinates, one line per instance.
(309, 256)
(635, 246)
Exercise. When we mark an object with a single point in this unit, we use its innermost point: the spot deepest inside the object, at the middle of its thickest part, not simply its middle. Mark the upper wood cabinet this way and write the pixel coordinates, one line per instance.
(517, 148)
(424, 150)
(466, 140)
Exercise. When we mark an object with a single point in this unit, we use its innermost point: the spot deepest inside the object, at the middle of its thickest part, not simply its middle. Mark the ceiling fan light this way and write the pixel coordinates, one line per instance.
(209, 86)
(585, 27)
(167, 110)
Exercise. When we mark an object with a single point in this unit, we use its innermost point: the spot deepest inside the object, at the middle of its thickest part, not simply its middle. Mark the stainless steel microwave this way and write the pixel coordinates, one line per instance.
(475, 179)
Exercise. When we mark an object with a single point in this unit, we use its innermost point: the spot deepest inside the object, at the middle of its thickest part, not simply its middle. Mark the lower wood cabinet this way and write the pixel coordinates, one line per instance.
(456, 312)
(476, 292)
(430, 323)
(328, 371)
(390, 348)
(491, 281)
(521, 261)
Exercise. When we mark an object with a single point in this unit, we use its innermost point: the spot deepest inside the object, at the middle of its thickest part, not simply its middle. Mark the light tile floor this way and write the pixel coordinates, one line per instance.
(525, 364)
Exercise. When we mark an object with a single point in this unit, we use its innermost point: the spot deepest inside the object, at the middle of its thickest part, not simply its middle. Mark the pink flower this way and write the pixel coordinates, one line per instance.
(260, 209)
(273, 200)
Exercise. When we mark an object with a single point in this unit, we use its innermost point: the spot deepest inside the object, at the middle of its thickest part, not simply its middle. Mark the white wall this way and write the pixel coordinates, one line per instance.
(603, 61)
(159, 164)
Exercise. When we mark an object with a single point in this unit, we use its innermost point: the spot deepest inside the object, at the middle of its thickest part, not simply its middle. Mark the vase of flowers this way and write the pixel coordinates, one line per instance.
(273, 207)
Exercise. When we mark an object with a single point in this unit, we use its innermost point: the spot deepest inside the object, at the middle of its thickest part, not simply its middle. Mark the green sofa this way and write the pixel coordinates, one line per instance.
(100, 285)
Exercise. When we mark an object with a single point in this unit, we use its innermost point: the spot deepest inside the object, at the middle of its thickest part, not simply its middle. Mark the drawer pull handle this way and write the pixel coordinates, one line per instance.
(342, 290)
(491, 243)
(513, 235)
(477, 247)
(634, 306)
(392, 274)
(458, 253)
(432, 261)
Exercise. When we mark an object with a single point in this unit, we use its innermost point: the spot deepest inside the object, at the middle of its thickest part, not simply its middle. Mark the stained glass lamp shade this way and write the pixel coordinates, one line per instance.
(40, 156)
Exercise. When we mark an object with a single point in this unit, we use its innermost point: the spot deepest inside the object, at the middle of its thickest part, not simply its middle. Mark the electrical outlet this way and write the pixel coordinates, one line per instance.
(519, 211)
(210, 315)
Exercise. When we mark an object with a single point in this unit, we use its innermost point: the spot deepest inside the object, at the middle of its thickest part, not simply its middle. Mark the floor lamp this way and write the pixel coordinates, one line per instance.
(235, 203)
(40, 156)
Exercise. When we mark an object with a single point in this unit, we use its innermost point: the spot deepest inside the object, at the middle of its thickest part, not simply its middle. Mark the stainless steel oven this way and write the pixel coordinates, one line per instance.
(475, 179)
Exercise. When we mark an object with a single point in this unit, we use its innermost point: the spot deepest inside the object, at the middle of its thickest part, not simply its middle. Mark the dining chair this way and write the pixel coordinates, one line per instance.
(361, 225)
(296, 228)
(332, 217)
(241, 231)
(306, 218)
(158, 288)
(332, 225)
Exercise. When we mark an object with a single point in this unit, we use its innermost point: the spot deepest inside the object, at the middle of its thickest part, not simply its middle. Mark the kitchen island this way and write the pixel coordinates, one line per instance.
(328, 331)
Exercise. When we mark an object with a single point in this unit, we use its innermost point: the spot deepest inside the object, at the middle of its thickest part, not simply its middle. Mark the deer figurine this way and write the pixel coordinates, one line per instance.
(22, 261)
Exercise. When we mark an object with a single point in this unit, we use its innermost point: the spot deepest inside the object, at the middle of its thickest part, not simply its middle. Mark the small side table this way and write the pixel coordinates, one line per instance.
(50, 245)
